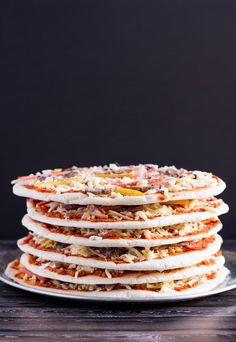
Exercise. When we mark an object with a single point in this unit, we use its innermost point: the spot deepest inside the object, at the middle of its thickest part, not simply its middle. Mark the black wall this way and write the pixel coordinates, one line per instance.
(92, 82)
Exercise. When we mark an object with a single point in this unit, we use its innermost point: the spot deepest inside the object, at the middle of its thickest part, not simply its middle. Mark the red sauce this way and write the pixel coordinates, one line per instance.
(200, 244)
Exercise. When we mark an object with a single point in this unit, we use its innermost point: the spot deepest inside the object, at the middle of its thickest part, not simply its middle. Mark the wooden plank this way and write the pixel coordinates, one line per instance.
(93, 313)
(127, 336)
(187, 324)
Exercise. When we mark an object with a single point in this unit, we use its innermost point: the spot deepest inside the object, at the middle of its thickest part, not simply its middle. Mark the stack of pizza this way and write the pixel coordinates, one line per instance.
(121, 231)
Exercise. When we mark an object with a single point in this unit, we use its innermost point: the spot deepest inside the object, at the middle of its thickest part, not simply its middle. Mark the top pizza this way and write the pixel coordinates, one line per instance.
(118, 185)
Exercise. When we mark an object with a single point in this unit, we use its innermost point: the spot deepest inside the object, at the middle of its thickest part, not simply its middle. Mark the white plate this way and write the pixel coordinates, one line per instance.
(228, 284)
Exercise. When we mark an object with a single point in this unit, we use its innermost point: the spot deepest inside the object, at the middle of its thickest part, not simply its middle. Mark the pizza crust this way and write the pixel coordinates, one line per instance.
(149, 223)
(182, 260)
(36, 227)
(136, 278)
(83, 199)
(202, 288)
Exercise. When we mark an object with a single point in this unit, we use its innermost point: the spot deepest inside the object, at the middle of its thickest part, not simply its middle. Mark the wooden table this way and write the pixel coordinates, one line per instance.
(25, 316)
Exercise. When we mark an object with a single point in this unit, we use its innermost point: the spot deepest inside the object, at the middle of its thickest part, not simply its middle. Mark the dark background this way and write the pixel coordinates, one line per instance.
(93, 82)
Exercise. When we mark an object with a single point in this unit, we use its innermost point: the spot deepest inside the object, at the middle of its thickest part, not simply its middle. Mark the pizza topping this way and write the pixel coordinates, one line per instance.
(76, 271)
(129, 192)
(123, 213)
(120, 255)
(115, 175)
(175, 285)
(115, 181)
(167, 232)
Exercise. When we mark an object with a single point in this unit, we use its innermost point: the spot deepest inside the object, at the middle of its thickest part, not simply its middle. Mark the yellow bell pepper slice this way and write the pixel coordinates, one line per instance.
(178, 202)
(114, 175)
(128, 192)
(46, 243)
(63, 181)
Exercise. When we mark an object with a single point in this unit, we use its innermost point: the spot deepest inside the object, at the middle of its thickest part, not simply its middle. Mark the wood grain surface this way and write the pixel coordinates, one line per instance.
(30, 317)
